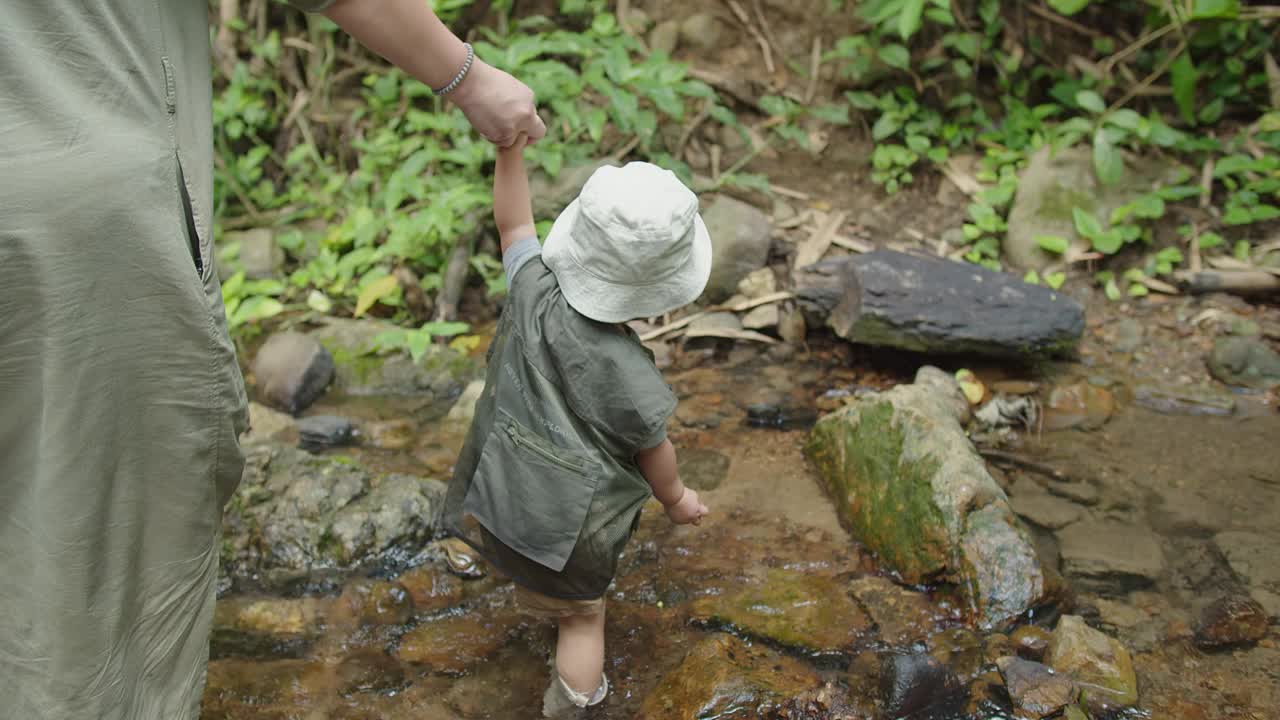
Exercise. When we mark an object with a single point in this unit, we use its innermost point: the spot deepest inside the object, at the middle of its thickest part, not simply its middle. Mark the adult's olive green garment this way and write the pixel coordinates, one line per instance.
(547, 487)
(120, 397)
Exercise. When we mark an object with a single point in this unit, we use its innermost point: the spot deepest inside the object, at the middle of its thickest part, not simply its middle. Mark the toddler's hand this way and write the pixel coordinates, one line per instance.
(687, 509)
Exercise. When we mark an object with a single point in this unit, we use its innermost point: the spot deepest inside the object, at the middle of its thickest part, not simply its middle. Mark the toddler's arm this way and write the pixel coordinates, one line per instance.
(658, 465)
(512, 208)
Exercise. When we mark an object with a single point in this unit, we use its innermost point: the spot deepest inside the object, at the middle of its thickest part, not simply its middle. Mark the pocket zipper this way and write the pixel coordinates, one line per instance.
(543, 452)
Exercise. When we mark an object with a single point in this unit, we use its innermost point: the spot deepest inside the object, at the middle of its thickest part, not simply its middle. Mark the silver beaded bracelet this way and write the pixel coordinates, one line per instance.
(462, 74)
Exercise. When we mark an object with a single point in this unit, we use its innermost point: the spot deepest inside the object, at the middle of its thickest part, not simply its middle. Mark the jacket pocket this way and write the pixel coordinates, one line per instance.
(194, 245)
(532, 495)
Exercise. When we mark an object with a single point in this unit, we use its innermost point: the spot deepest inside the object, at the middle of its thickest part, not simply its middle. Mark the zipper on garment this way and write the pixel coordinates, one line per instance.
(541, 452)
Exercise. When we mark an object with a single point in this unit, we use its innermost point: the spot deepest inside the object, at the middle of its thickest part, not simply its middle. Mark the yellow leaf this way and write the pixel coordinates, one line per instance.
(971, 385)
(465, 343)
(375, 291)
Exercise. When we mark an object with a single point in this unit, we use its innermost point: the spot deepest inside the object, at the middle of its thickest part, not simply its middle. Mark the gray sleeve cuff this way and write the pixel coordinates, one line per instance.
(520, 252)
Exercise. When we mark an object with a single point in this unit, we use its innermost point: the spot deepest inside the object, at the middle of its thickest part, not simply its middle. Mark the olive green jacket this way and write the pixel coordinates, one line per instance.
(546, 486)
(120, 397)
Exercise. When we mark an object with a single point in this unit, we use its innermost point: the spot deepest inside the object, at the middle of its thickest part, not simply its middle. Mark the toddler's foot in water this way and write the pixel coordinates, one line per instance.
(562, 702)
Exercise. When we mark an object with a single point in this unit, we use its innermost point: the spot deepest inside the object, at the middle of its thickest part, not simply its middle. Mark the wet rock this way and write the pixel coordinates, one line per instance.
(369, 671)
(916, 683)
(1100, 665)
(373, 602)
(792, 327)
(1127, 335)
(431, 588)
(665, 37)
(391, 434)
(460, 558)
(260, 257)
(1031, 642)
(294, 511)
(266, 424)
(452, 644)
(321, 432)
(903, 617)
(1183, 401)
(723, 676)
(291, 371)
(1035, 504)
(702, 31)
(552, 195)
(761, 318)
(702, 469)
(806, 612)
(1253, 559)
(1231, 620)
(1055, 183)
(758, 283)
(464, 409)
(1080, 405)
(1078, 491)
(909, 485)
(933, 305)
(777, 417)
(1034, 688)
(270, 616)
(740, 238)
(359, 370)
(1107, 551)
(1245, 362)
(961, 650)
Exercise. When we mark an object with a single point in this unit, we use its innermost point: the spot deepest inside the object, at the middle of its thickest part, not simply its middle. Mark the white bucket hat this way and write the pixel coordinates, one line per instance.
(632, 245)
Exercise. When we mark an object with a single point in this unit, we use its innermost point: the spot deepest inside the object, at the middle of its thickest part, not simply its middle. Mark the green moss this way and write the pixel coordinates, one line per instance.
(356, 368)
(884, 499)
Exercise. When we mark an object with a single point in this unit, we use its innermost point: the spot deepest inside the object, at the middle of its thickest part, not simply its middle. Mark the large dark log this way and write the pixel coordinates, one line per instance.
(934, 305)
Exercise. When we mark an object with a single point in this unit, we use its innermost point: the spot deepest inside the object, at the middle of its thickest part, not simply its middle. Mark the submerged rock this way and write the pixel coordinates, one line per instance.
(366, 602)
(740, 241)
(916, 683)
(1253, 559)
(908, 484)
(1031, 642)
(723, 676)
(294, 511)
(1035, 689)
(810, 613)
(321, 432)
(452, 644)
(1245, 362)
(702, 468)
(361, 368)
(1231, 620)
(271, 616)
(291, 371)
(1106, 551)
(903, 617)
(1100, 665)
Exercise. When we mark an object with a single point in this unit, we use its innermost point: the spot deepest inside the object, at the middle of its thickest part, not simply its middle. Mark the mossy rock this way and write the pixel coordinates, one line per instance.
(360, 369)
(909, 485)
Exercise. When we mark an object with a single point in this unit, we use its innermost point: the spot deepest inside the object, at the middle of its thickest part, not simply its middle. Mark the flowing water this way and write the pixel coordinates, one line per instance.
(426, 643)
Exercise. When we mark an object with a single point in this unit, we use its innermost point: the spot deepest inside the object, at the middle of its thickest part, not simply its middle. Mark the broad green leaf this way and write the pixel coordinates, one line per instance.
(971, 232)
(1210, 240)
(445, 329)
(1263, 213)
(1107, 161)
(1091, 101)
(1053, 243)
(1211, 113)
(256, 308)
(1215, 9)
(1109, 242)
(375, 291)
(1149, 207)
(1138, 290)
(909, 18)
(1237, 215)
(1086, 223)
(1055, 279)
(886, 126)
(319, 302)
(1112, 290)
(895, 56)
(1031, 278)
(1184, 76)
(1125, 118)
(1068, 7)
(1242, 250)
(417, 343)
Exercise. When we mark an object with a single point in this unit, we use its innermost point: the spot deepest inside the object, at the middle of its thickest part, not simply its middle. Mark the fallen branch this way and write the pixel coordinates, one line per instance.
(815, 68)
(755, 33)
(858, 246)
(788, 192)
(1253, 282)
(737, 307)
(732, 335)
(1159, 286)
(1230, 263)
(816, 245)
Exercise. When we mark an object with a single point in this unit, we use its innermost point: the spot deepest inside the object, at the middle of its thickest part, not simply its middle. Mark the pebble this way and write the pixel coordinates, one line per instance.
(291, 371)
(702, 31)
(665, 37)
(1231, 621)
(759, 283)
(1034, 688)
(1033, 503)
(1107, 551)
(1030, 641)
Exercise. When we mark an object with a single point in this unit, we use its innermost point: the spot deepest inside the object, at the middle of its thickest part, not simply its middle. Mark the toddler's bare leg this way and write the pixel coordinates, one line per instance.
(580, 652)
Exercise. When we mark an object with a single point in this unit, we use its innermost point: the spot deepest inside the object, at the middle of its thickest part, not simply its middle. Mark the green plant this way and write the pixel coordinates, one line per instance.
(418, 340)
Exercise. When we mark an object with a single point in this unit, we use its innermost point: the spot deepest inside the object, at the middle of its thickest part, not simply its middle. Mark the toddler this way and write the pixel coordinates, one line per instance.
(569, 437)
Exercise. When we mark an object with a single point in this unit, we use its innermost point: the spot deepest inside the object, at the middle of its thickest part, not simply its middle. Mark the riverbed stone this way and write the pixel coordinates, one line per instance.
(291, 371)
(321, 432)
(902, 617)
(1230, 621)
(908, 484)
(1035, 689)
(432, 588)
(1108, 551)
(1031, 641)
(360, 369)
(740, 241)
(1100, 665)
(1245, 362)
(1253, 558)
(809, 613)
(266, 424)
(369, 602)
(723, 675)
(1035, 504)
(282, 617)
(912, 683)
(296, 512)
(702, 468)
(452, 644)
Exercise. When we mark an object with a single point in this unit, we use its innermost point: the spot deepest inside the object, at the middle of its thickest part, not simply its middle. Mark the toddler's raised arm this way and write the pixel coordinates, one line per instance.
(512, 208)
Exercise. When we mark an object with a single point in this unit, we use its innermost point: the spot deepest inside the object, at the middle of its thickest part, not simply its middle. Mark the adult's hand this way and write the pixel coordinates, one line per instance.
(498, 106)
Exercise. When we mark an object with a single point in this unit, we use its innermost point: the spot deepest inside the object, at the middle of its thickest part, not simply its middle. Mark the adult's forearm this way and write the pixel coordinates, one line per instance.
(405, 32)
(658, 465)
